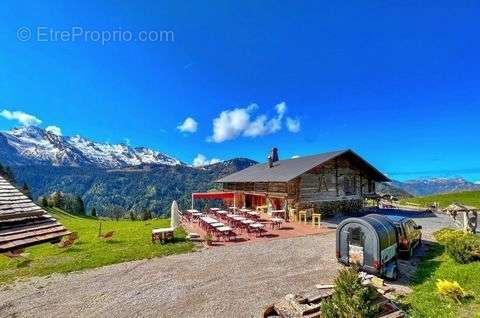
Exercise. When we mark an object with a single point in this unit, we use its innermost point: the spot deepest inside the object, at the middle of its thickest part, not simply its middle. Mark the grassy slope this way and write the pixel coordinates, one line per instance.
(438, 265)
(131, 241)
(469, 198)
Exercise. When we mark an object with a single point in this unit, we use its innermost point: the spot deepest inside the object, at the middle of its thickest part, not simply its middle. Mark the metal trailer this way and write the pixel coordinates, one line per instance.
(369, 242)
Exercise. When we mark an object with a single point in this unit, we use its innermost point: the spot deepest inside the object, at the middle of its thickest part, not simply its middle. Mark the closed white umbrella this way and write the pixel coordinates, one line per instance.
(174, 215)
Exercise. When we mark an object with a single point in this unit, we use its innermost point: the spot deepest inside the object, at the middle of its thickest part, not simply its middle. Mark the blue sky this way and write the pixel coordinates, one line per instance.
(398, 82)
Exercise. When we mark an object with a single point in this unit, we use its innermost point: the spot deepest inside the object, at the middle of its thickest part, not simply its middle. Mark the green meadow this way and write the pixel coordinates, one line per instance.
(468, 197)
(131, 241)
(424, 300)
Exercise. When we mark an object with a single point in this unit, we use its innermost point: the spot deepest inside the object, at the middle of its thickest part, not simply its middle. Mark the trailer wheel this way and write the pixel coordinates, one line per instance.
(392, 270)
(395, 273)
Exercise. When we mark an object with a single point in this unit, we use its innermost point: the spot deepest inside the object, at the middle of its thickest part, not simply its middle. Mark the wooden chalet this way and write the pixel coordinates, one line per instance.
(23, 223)
(327, 182)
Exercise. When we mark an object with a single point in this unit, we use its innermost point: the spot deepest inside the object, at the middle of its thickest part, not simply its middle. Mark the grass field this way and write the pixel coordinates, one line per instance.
(438, 265)
(469, 198)
(131, 241)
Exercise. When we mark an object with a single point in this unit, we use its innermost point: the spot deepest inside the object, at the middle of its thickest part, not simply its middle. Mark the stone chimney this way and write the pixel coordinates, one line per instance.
(273, 157)
(274, 154)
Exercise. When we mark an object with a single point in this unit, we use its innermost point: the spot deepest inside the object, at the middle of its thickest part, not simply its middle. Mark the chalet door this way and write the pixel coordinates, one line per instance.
(248, 201)
(356, 245)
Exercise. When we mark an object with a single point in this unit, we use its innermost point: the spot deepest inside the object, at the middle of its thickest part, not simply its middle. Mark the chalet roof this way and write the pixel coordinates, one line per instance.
(286, 170)
(22, 222)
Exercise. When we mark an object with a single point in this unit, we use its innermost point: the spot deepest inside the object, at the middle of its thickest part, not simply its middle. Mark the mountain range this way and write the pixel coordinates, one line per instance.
(35, 146)
(136, 178)
(436, 185)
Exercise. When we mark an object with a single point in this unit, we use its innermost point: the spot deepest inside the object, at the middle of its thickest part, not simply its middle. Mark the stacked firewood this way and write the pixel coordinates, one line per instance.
(308, 305)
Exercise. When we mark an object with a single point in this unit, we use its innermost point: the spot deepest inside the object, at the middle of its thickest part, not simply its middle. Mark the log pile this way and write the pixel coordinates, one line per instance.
(308, 304)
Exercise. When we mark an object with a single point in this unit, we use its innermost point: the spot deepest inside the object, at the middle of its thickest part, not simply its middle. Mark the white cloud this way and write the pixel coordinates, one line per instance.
(295, 157)
(281, 109)
(54, 130)
(293, 125)
(22, 117)
(200, 161)
(127, 141)
(231, 124)
(189, 125)
(477, 182)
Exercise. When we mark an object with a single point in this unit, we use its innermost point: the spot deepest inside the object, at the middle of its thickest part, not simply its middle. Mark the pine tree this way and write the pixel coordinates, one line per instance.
(116, 212)
(26, 190)
(58, 200)
(44, 202)
(79, 206)
(132, 216)
(146, 215)
(94, 212)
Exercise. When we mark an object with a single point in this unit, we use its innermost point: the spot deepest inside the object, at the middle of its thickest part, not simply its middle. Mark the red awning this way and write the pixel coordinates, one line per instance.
(213, 195)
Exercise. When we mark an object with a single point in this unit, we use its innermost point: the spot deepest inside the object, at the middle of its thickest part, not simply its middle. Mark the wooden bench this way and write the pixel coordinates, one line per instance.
(162, 235)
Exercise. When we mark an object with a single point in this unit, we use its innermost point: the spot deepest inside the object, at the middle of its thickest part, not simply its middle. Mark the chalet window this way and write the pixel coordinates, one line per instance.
(356, 236)
(322, 184)
(347, 189)
(354, 185)
(371, 186)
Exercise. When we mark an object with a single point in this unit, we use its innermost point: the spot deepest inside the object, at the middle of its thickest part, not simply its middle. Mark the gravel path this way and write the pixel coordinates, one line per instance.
(233, 281)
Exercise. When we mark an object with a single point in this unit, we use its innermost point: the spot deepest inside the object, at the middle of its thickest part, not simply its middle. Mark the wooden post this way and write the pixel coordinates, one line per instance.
(336, 176)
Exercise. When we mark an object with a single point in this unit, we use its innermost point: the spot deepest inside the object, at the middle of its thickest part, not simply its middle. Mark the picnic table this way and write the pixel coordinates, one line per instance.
(257, 227)
(195, 215)
(215, 209)
(224, 229)
(208, 220)
(276, 222)
(253, 214)
(217, 224)
(278, 213)
(162, 235)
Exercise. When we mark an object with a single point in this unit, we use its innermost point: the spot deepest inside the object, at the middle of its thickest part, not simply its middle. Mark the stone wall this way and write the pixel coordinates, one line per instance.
(346, 207)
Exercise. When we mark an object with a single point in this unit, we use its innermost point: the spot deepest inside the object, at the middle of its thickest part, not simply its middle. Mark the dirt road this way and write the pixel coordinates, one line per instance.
(233, 281)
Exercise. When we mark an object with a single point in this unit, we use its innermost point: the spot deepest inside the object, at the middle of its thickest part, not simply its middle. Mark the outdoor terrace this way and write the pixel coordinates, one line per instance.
(242, 225)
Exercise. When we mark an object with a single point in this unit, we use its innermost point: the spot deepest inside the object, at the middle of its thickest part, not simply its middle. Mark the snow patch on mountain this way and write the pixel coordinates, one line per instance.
(34, 145)
(436, 185)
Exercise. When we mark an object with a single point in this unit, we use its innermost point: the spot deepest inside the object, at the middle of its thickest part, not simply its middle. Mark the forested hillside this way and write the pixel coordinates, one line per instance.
(151, 187)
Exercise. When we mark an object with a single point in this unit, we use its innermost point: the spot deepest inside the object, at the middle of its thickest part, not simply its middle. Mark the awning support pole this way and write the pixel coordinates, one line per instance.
(192, 201)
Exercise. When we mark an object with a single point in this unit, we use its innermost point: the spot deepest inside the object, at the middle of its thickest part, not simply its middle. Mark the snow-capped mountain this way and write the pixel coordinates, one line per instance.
(436, 185)
(34, 145)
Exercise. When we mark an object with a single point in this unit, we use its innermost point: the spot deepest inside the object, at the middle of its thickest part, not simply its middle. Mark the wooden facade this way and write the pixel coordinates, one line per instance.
(345, 177)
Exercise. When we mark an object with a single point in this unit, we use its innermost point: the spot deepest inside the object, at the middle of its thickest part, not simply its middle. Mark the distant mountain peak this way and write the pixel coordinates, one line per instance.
(32, 145)
(436, 185)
